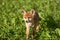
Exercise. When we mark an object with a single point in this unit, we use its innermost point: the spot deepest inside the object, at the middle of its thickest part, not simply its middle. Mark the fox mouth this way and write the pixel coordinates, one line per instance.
(28, 21)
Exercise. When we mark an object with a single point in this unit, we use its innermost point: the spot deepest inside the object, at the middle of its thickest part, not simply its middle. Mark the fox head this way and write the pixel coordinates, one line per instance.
(28, 17)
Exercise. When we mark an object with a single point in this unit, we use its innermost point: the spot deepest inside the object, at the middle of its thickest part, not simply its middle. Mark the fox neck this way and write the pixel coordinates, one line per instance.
(28, 24)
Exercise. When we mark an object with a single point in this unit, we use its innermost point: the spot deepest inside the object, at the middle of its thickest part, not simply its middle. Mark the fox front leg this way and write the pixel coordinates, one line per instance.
(33, 32)
(27, 32)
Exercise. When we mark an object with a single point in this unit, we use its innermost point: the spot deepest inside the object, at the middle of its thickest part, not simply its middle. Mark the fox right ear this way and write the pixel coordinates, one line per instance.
(23, 12)
(32, 11)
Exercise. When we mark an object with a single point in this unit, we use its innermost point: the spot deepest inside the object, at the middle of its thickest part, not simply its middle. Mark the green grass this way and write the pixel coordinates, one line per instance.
(12, 26)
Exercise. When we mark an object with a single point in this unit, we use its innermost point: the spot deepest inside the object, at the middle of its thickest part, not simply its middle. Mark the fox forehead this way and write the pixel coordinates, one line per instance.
(27, 15)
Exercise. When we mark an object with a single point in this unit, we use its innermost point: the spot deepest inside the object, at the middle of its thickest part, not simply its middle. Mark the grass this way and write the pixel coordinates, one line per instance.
(12, 26)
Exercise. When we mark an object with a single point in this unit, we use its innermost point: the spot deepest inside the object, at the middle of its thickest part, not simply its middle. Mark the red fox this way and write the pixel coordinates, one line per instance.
(31, 19)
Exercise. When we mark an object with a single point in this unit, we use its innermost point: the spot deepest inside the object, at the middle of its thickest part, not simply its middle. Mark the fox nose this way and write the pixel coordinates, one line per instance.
(27, 21)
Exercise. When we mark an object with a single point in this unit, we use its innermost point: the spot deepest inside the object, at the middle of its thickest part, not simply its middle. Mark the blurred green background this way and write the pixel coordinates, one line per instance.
(12, 26)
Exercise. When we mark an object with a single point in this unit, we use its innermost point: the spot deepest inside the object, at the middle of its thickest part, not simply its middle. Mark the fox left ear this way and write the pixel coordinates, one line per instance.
(32, 11)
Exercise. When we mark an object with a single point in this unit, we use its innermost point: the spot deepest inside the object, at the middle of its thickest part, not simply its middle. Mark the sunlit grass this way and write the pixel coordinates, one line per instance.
(12, 26)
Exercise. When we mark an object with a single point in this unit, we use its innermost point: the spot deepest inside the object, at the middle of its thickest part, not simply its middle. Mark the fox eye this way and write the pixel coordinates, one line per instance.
(25, 17)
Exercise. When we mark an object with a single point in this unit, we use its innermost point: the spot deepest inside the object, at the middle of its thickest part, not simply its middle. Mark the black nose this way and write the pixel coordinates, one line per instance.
(27, 21)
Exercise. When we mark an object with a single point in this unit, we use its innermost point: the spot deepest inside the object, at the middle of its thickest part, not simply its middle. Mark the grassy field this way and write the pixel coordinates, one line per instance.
(12, 26)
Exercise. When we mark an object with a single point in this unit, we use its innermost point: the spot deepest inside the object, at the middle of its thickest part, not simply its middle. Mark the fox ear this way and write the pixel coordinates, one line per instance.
(32, 11)
(23, 12)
